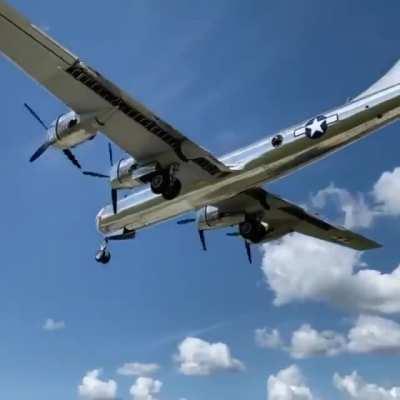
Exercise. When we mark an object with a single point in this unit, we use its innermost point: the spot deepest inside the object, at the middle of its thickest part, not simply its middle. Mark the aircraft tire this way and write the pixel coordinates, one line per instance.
(160, 182)
(173, 190)
(103, 256)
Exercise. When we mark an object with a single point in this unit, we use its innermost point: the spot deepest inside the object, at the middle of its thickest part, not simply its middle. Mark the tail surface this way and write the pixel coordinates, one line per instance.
(391, 78)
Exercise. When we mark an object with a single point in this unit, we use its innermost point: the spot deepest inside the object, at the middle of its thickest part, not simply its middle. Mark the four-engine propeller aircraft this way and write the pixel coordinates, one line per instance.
(182, 176)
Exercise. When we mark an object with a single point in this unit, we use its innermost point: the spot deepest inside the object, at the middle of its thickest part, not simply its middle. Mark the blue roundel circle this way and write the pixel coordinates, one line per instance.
(316, 127)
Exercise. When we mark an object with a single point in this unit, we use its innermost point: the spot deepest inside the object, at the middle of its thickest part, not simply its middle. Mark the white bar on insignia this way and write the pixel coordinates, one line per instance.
(300, 132)
(332, 119)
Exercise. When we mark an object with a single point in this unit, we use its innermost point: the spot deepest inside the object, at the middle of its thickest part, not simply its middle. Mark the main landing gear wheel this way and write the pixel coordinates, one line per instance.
(103, 255)
(166, 185)
(160, 182)
(252, 230)
(172, 190)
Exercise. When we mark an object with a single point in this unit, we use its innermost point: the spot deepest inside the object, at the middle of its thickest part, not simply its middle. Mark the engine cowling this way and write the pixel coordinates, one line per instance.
(210, 217)
(72, 129)
(127, 174)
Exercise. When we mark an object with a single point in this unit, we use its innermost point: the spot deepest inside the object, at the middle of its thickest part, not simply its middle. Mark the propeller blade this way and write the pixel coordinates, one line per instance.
(248, 251)
(35, 115)
(203, 240)
(95, 174)
(40, 151)
(114, 199)
(110, 154)
(72, 158)
(186, 221)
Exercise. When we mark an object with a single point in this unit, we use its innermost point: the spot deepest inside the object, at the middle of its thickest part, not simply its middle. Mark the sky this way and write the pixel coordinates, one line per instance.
(165, 320)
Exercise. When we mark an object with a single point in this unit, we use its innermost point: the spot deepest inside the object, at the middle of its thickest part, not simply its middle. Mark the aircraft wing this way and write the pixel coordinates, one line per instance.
(125, 121)
(284, 217)
(312, 225)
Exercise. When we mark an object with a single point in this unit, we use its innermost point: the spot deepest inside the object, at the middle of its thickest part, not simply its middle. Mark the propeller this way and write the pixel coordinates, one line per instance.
(49, 142)
(246, 243)
(72, 158)
(248, 251)
(114, 192)
(200, 231)
(35, 115)
(203, 239)
(95, 174)
(186, 221)
(233, 234)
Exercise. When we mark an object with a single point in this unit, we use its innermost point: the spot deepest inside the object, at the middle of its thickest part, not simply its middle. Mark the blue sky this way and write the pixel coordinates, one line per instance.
(226, 73)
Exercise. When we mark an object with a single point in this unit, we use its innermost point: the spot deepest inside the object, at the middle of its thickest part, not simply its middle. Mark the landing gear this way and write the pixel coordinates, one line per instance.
(166, 184)
(252, 230)
(103, 255)
(172, 190)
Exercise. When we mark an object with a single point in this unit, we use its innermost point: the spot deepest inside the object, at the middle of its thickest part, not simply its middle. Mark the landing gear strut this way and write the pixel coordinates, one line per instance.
(166, 184)
(103, 255)
(252, 230)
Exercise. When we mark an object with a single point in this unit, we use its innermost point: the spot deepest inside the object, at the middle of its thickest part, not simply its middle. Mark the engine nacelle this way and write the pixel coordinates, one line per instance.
(210, 217)
(72, 129)
(127, 174)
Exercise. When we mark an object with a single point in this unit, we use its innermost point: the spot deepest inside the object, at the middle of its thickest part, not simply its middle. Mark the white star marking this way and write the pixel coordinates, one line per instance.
(316, 127)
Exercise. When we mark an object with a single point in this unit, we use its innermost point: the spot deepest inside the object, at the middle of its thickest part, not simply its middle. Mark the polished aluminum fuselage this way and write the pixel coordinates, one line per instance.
(259, 163)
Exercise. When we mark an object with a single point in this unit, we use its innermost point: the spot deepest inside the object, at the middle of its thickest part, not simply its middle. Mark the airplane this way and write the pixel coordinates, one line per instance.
(168, 173)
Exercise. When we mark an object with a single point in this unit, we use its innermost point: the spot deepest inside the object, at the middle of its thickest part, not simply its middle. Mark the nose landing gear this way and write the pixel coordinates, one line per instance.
(103, 255)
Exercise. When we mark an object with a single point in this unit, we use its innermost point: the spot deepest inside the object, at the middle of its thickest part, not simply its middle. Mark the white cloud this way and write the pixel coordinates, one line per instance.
(301, 268)
(357, 212)
(308, 342)
(288, 384)
(269, 339)
(354, 387)
(93, 388)
(52, 325)
(145, 388)
(198, 357)
(369, 334)
(138, 369)
(374, 334)
(387, 192)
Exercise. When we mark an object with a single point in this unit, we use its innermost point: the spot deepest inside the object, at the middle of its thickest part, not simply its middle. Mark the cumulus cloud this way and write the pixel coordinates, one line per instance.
(369, 334)
(93, 388)
(199, 357)
(360, 210)
(301, 268)
(288, 384)
(53, 325)
(269, 339)
(357, 212)
(308, 342)
(387, 192)
(374, 334)
(145, 388)
(138, 369)
(354, 387)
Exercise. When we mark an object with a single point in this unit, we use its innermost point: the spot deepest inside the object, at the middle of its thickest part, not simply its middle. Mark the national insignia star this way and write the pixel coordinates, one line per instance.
(316, 127)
